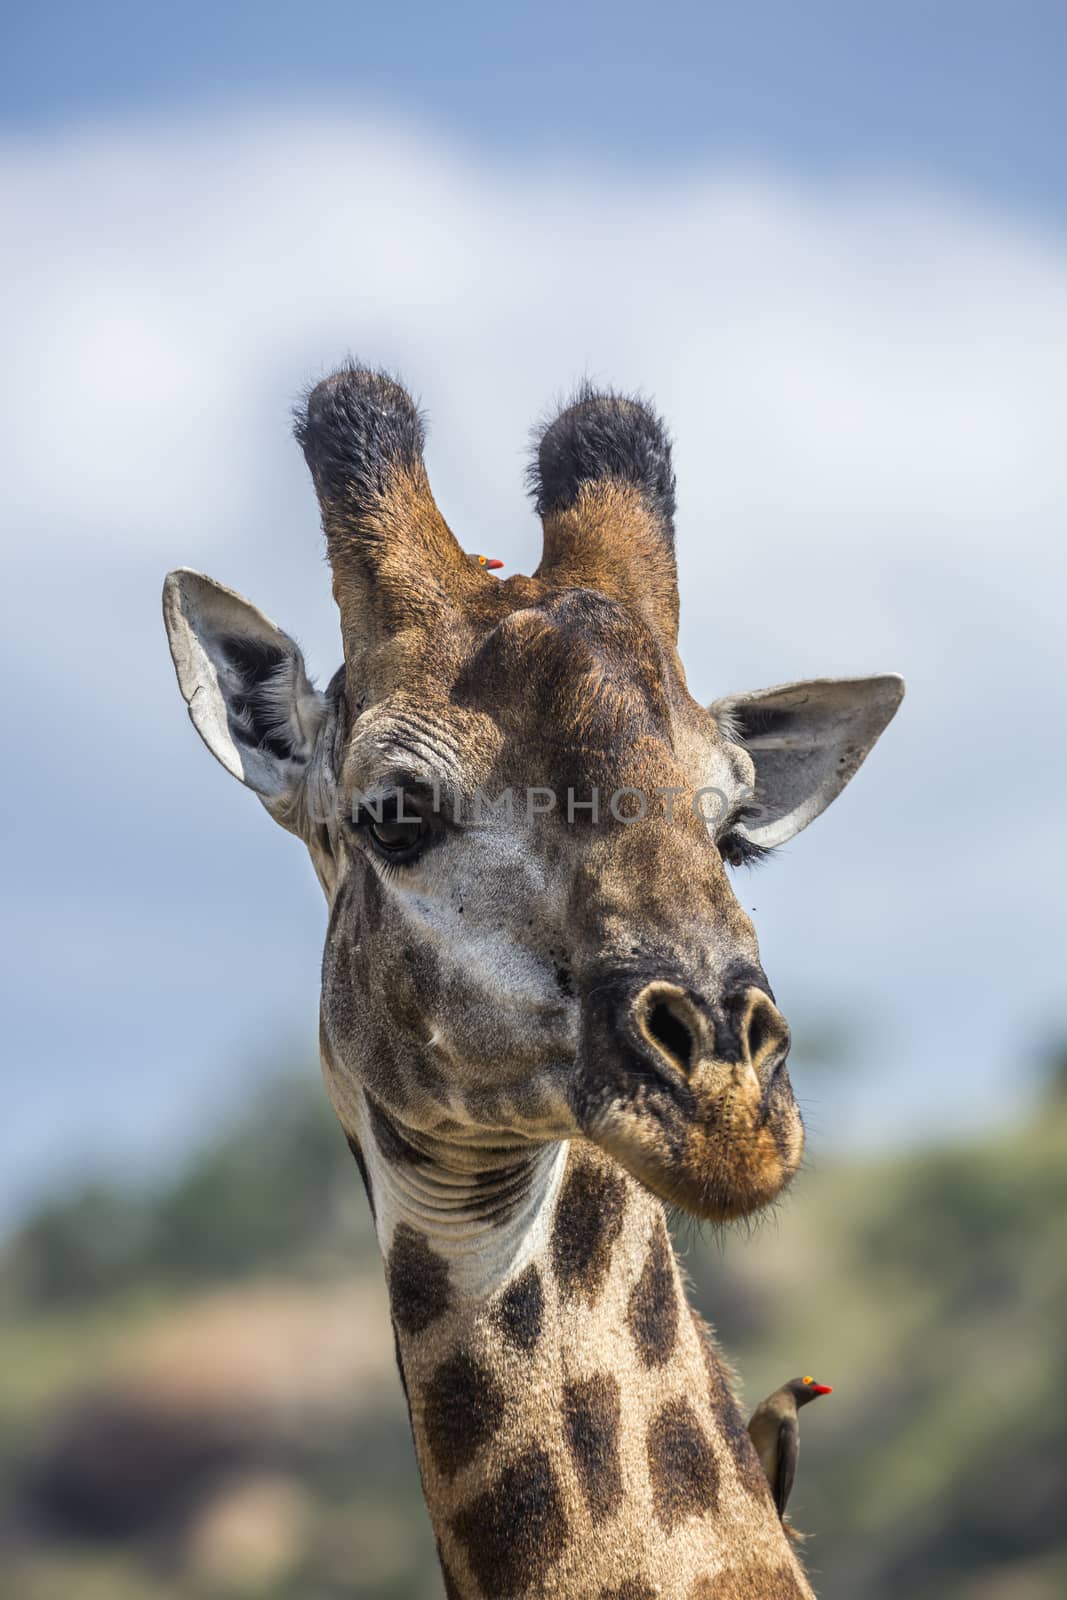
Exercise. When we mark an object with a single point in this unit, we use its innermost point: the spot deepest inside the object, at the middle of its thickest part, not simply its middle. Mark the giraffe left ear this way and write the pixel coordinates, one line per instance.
(806, 740)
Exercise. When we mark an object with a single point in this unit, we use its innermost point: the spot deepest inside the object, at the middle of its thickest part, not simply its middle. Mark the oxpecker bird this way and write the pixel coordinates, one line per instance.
(775, 1432)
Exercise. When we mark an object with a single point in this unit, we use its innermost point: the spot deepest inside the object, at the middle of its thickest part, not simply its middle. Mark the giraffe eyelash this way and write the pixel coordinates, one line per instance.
(739, 851)
(736, 848)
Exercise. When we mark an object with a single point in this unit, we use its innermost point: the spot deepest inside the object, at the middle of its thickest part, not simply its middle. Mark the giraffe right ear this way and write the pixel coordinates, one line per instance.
(244, 681)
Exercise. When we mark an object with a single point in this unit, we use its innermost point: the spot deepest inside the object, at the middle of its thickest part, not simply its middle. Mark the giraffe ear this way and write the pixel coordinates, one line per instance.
(244, 681)
(806, 740)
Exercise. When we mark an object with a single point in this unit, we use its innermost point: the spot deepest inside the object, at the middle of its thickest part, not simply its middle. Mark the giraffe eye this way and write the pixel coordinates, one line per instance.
(395, 831)
(395, 837)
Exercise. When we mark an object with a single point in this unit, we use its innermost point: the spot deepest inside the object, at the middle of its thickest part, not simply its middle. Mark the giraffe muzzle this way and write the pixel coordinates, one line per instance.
(691, 1095)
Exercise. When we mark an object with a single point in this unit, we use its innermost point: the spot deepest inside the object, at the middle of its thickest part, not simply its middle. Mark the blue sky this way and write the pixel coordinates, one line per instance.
(834, 253)
(967, 90)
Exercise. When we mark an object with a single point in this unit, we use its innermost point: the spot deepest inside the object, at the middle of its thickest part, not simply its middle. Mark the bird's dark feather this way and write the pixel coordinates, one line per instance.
(788, 1446)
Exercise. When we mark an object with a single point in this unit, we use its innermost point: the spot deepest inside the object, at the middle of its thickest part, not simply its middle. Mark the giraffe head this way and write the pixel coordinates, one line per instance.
(520, 816)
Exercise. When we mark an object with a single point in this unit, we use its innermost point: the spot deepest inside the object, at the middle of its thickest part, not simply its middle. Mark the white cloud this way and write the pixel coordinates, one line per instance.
(867, 386)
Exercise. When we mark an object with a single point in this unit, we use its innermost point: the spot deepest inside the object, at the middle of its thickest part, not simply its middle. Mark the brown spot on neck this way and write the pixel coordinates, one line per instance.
(728, 1417)
(519, 1313)
(681, 1466)
(591, 1417)
(418, 1279)
(588, 1220)
(462, 1410)
(652, 1314)
(514, 1533)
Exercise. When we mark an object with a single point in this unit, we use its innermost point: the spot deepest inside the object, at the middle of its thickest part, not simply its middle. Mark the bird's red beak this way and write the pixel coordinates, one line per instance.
(821, 1388)
(492, 564)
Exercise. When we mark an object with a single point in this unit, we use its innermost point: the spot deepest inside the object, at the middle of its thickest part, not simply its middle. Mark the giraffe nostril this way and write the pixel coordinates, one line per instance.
(669, 1023)
(764, 1031)
(671, 1032)
(759, 1034)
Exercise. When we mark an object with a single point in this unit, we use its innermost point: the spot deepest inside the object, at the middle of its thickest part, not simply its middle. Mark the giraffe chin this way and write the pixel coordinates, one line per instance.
(730, 1156)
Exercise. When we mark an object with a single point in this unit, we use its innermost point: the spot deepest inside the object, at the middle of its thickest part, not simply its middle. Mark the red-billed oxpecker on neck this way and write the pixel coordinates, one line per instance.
(775, 1431)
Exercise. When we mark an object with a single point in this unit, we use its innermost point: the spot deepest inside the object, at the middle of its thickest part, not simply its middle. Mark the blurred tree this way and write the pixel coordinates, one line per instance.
(276, 1190)
(1052, 1068)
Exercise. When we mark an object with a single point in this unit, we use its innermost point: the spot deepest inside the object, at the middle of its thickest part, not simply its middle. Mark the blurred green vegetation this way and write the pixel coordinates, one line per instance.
(274, 1191)
(197, 1399)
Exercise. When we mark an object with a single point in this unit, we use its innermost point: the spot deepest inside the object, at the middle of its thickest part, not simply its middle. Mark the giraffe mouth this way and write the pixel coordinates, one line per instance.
(691, 1096)
(719, 1144)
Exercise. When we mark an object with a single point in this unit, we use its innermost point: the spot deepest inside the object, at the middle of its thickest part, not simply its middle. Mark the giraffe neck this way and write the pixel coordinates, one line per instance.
(575, 1430)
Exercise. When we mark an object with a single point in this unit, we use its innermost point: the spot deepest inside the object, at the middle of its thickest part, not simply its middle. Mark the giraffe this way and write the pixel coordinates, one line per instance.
(543, 1013)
